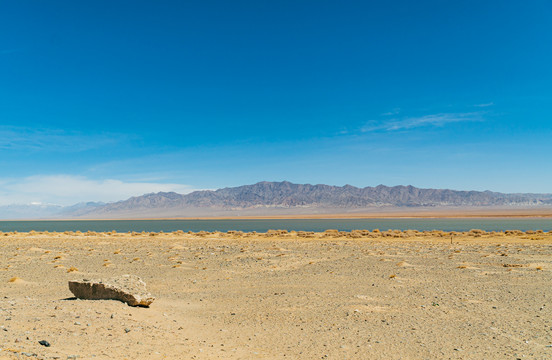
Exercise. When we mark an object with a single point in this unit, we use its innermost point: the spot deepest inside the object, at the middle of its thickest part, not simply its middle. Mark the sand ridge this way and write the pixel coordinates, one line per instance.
(282, 295)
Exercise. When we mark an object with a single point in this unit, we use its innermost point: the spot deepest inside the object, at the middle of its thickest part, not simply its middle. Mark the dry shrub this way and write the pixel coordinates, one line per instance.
(14, 279)
(476, 232)
(354, 234)
(305, 234)
(333, 233)
(178, 232)
(410, 233)
(279, 232)
(271, 233)
(72, 269)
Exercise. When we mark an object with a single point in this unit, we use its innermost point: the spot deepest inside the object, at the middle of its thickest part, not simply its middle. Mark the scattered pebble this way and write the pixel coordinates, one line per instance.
(44, 343)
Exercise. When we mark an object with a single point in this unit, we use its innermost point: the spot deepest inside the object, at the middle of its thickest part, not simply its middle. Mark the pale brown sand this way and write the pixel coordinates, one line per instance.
(281, 297)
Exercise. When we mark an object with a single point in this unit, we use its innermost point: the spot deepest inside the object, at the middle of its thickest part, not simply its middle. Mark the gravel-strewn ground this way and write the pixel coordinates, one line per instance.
(281, 297)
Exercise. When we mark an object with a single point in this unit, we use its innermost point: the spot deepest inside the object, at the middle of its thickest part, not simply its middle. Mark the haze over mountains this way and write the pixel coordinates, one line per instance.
(278, 198)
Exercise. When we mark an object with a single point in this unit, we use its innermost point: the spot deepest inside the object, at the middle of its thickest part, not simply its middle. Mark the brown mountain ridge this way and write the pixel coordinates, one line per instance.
(286, 196)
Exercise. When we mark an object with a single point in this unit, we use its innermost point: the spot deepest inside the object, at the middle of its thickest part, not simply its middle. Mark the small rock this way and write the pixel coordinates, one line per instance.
(72, 357)
(44, 343)
(127, 330)
(126, 288)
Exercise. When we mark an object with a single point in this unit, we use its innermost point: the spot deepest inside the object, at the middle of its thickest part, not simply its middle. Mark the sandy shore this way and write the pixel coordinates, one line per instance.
(373, 213)
(286, 296)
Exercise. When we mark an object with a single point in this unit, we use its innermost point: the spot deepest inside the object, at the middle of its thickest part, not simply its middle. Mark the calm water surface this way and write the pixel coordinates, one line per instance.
(496, 224)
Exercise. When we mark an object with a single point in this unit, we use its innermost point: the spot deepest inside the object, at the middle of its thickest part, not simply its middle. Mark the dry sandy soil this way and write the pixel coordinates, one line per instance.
(219, 296)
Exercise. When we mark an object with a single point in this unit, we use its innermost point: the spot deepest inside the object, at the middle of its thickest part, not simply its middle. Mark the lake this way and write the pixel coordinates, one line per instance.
(262, 225)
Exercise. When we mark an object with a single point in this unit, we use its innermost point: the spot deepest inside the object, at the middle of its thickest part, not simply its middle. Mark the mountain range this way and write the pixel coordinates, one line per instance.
(280, 198)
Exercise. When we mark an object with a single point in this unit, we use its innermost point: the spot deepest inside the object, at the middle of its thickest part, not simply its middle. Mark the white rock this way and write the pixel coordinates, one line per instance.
(126, 288)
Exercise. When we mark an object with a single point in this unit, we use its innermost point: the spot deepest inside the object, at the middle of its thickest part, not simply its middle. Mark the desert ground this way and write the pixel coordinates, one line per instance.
(280, 295)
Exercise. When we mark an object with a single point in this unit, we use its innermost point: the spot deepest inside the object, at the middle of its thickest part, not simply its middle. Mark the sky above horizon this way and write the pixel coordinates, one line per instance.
(103, 100)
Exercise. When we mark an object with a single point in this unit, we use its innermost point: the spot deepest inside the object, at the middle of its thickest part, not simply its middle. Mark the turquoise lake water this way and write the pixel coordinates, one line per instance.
(495, 224)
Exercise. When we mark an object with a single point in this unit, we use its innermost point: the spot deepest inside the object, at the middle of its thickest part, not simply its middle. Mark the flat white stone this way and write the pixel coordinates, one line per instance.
(126, 288)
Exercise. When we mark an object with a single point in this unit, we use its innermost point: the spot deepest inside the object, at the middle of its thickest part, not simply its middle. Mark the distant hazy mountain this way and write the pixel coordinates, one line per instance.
(29, 211)
(285, 196)
(45, 211)
(80, 208)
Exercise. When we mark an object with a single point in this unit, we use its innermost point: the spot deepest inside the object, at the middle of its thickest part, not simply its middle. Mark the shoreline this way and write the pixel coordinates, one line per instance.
(271, 233)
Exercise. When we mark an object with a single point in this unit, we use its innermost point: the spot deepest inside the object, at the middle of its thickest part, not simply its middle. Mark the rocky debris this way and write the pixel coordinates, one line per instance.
(126, 288)
(44, 343)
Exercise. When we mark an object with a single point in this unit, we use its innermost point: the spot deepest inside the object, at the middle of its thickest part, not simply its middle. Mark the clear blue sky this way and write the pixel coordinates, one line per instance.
(100, 100)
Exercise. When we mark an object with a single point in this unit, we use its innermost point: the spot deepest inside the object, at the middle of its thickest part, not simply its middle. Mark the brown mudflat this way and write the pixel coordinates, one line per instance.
(284, 296)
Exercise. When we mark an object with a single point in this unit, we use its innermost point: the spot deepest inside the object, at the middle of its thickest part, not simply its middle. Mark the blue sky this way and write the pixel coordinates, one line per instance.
(102, 100)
